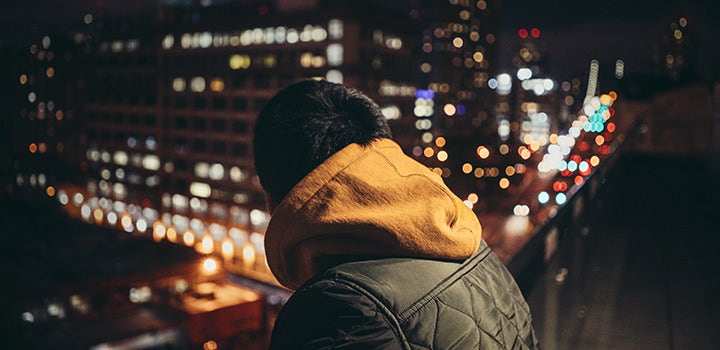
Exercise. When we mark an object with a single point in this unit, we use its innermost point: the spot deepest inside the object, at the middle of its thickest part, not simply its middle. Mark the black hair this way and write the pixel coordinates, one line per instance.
(306, 123)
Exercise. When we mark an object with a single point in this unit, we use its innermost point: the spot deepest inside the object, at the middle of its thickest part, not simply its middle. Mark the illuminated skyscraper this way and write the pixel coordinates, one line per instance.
(169, 106)
(676, 53)
(536, 108)
(42, 115)
(457, 58)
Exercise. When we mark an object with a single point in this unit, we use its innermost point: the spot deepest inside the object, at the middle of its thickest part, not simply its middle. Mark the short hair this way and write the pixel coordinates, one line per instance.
(306, 123)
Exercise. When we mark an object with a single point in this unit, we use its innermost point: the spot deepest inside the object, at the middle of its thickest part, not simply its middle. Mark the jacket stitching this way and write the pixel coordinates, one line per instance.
(384, 310)
(444, 284)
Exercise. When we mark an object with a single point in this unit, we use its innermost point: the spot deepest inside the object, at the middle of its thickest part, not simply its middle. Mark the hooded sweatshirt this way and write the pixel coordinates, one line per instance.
(367, 201)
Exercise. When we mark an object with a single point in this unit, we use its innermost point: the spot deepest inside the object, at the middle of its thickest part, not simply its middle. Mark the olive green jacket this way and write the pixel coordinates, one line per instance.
(408, 303)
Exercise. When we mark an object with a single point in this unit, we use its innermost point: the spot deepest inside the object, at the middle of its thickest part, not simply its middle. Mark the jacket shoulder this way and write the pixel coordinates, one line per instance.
(329, 313)
(446, 304)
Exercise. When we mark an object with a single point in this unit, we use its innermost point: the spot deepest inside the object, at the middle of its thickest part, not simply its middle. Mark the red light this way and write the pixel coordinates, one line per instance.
(583, 146)
(523, 33)
(576, 158)
(610, 127)
(263, 10)
(612, 111)
(566, 172)
(559, 186)
(607, 136)
(604, 149)
(578, 180)
(535, 33)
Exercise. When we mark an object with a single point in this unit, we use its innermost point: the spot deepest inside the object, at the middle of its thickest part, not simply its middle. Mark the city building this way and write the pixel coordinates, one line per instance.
(676, 53)
(168, 109)
(454, 103)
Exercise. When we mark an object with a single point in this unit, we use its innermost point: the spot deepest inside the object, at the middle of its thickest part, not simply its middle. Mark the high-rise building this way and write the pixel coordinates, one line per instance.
(676, 53)
(458, 56)
(168, 108)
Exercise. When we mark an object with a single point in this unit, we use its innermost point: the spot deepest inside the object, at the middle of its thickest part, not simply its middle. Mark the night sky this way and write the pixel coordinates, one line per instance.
(574, 32)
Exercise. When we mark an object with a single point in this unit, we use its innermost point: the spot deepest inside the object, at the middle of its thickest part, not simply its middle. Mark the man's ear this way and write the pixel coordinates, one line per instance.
(269, 203)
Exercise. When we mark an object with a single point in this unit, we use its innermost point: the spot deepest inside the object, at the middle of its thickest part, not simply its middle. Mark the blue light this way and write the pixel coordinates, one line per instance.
(572, 166)
(425, 93)
(584, 166)
(562, 165)
(543, 197)
(560, 198)
(460, 109)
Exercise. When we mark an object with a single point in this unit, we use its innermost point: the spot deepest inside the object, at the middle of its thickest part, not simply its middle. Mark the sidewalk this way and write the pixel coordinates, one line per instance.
(641, 274)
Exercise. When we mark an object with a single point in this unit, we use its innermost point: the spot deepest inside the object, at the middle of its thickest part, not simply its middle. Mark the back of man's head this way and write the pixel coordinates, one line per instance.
(306, 123)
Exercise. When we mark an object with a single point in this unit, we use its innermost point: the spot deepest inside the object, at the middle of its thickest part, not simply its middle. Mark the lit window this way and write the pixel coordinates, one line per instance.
(306, 59)
(204, 39)
(151, 143)
(258, 242)
(391, 112)
(269, 35)
(202, 169)
(334, 76)
(335, 27)
(280, 35)
(197, 84)
(120, 158)
(306, 34)
(117, 46)
(151, 162)
(200, 189)
(258, 36)
(217, 85)
(292, 36)
(269, 61)
(119, 190)
(318, 34)
(318, 61)
(136, 159)
(334, 54)
(218, 211)
(239, 216)
(234, 40)
(179, 84)
(394, 43)
(236, 174)
(216, 171)
(239, 61)
(186, 40)
(140, 295)
(259, 217)
(246, 38)
(132, 44)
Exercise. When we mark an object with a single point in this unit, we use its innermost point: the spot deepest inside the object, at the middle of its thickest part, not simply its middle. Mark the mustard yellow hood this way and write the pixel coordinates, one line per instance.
(367, 201)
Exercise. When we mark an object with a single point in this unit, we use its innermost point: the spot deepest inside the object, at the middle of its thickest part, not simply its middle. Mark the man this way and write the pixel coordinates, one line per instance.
(381, 253)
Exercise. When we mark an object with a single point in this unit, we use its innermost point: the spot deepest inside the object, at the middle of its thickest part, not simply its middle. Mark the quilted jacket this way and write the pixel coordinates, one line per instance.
(401, 303)
(384, 255)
